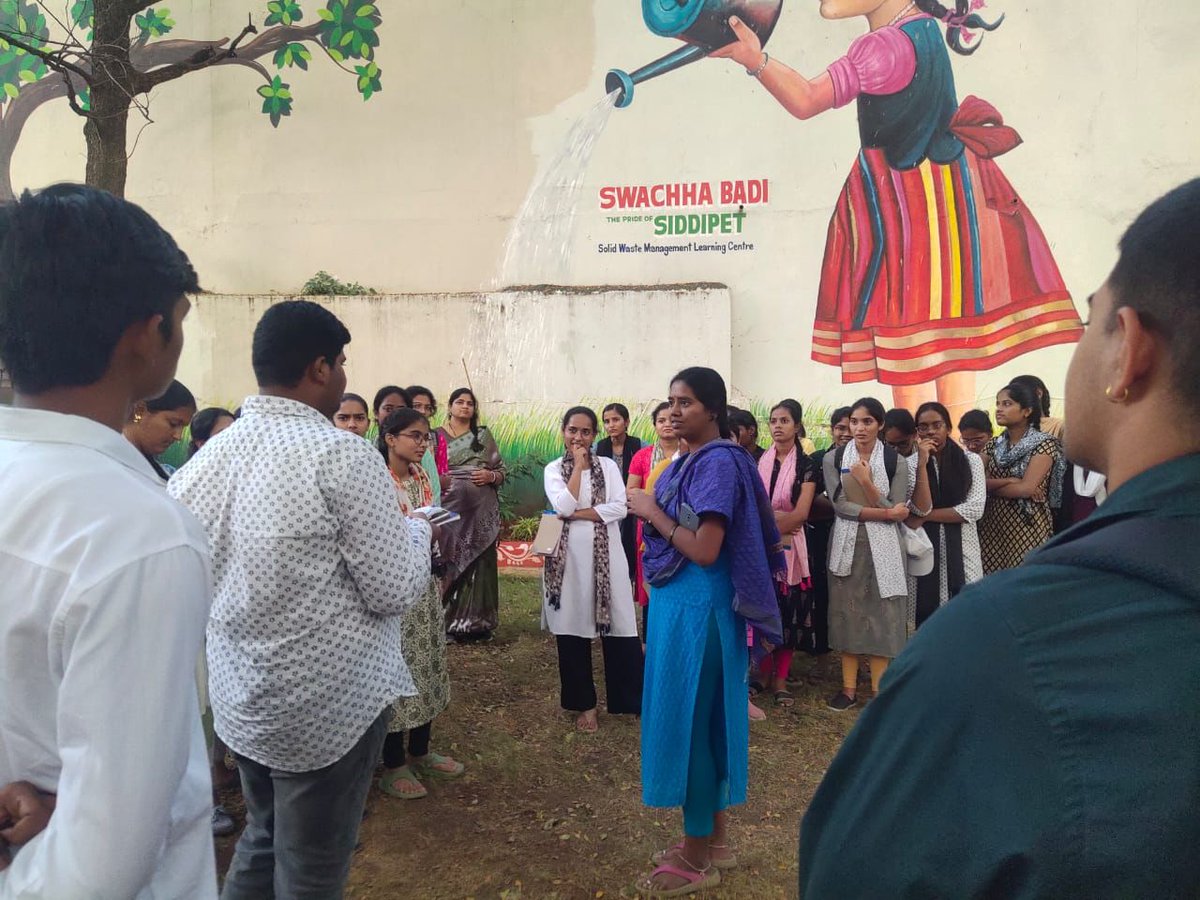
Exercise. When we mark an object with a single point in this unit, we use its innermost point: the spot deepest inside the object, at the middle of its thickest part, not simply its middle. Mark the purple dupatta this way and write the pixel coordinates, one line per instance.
(722, 478)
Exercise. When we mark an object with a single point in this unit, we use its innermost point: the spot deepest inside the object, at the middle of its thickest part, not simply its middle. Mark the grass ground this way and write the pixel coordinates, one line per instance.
(544, 812)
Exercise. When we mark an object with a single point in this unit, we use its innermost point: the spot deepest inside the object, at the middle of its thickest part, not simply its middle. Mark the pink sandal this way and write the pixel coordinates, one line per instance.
(728, 861)
(694, 880)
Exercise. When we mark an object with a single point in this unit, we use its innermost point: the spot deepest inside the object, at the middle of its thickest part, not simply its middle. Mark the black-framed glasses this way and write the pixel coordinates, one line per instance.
(417, 437)
(930, 428)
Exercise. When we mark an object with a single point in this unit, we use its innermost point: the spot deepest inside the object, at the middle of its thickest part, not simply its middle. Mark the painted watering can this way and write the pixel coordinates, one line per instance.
(703, 24)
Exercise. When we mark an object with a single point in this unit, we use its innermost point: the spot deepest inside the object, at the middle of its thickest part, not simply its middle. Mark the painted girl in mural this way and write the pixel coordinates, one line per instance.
(934, 268)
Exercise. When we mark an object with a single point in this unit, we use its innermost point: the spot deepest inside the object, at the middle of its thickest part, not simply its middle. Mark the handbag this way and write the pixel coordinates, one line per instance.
(918, 550)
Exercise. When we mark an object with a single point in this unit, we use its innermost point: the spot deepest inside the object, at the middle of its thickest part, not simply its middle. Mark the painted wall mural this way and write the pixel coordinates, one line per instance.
(934, 267)
(105, 57)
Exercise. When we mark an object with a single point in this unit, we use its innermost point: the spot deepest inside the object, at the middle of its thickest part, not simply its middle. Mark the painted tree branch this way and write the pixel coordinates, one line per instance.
(17, 112)
(204, 57)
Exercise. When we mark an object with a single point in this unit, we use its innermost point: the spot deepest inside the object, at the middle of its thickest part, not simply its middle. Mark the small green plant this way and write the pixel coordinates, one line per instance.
(519, 472)
(324, 284)
(525, 528)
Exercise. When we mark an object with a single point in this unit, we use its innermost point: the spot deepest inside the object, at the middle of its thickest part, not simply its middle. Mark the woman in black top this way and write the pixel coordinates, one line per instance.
(620, 446)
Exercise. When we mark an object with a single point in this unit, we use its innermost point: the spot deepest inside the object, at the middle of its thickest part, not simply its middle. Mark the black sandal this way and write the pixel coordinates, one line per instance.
(784, 698)
(756, 688)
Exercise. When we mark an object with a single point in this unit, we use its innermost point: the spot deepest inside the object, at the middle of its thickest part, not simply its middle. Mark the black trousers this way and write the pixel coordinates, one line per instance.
(818, 553)
(623, 663)
(418, 745)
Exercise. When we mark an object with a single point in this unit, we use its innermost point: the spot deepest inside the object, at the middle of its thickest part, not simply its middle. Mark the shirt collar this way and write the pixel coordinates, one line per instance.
(1173, 485)
(41, 426)
(263, 405)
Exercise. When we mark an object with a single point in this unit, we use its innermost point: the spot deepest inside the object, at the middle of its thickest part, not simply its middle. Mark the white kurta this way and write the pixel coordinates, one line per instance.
(576, 614)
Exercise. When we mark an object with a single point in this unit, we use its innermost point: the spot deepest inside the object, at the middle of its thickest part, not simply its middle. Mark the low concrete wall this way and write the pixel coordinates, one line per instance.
(528, 347)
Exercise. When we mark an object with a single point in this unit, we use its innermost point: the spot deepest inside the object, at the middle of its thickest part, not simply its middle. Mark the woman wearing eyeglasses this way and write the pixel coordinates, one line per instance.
(958, 494)
(403, 437)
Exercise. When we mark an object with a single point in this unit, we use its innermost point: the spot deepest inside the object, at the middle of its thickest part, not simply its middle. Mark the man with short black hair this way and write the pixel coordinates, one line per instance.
(104, 581)
(1040, 736)
(314, 565)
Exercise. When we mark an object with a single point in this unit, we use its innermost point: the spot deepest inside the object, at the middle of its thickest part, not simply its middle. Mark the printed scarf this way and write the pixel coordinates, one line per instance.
(1016, 459)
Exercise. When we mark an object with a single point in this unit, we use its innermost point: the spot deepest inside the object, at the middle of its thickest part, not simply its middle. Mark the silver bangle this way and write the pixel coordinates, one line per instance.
(757, 72)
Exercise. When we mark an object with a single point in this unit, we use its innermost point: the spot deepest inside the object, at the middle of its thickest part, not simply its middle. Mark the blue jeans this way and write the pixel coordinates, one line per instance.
(302, 827)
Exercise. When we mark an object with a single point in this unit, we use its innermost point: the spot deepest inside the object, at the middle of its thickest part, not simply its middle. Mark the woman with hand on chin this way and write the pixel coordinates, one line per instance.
(958, 492)
(585, 582)
(711, 549)
(868, 590)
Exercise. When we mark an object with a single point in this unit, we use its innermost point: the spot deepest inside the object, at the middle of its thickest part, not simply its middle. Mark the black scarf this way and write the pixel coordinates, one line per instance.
(946, 490)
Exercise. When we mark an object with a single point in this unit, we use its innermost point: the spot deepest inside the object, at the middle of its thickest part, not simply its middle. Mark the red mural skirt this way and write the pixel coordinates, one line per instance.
(932, 270)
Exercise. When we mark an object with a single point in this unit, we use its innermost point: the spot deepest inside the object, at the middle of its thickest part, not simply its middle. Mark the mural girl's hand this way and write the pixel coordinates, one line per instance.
(746, 50)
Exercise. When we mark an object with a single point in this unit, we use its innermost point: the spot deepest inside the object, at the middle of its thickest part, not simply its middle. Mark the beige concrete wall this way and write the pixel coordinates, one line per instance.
(522, 348)
(415, 191)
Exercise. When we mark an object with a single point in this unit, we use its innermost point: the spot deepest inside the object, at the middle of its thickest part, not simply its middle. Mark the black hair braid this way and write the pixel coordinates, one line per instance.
(954, 32)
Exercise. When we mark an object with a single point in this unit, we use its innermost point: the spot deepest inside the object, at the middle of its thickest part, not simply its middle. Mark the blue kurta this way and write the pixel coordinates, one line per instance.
(679, 617)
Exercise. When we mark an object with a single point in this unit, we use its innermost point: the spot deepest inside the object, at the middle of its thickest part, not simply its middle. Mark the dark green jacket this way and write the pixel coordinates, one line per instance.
(1040, 736)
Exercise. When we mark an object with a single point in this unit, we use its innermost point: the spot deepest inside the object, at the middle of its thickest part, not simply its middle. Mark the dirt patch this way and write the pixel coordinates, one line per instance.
(544, 812)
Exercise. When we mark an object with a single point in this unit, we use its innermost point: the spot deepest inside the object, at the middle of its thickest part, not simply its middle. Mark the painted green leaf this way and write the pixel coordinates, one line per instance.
(283, 12)
(83, 12)
(17, 66)
(350, 29)
(368, 80)
(154, 23)
(294, 54)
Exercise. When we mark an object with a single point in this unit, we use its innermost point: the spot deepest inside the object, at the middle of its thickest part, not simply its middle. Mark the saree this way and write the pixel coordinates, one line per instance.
(472, 597)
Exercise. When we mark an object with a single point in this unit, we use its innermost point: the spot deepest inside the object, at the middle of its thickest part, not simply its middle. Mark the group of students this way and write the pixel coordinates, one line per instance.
(982, 506)
(831, 544)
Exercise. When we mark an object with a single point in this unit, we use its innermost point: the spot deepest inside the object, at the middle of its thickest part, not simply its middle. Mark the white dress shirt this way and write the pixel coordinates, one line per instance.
(104, 592)
(576, 614)
(314, 563)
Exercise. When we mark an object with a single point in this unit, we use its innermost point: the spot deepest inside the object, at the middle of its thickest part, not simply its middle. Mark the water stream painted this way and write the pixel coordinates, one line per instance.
(507, 349)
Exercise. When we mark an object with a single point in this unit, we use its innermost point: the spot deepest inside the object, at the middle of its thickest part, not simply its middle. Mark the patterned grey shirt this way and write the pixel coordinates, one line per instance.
(313, 563)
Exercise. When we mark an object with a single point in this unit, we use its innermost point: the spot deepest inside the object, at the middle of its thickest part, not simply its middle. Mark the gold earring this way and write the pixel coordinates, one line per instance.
(137, 417)
(1108, 392)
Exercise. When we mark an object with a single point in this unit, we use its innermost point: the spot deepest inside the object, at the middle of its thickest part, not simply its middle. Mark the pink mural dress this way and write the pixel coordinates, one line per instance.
(933, 264)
